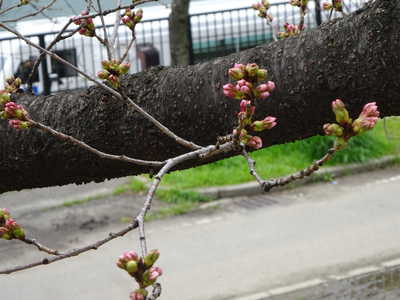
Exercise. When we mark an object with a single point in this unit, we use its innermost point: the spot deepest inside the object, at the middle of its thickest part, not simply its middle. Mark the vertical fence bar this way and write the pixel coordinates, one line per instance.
(45, 70)
(318, 18)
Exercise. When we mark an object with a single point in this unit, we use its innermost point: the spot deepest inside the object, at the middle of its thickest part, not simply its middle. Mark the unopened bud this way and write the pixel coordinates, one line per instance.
(255, 142)
(139, 294)
(268, 123)
(236, 73)
(251, 70)
(341, 113)
(151, 258)
(333, 129)
(131, 266)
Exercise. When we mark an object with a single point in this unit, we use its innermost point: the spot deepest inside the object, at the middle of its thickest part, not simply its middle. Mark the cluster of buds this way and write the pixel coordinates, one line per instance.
(86, 26)
(248, 89)
(290, 30)
(130, 18)
(142, 269)
(9, 229)
(248, 76)
(302, 4)
(112, 70)
(336, 5)
(345, 128)
(262, 8)
(23, 2)
(9, 110)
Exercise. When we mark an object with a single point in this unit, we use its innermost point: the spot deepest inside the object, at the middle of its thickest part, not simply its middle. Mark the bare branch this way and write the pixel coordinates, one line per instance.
(116, 26)
(73, 252)
(125, 55)
(40, 246)
(267, 185)
(113, 10)
(58, 38)
(85, 146)
(38, 11)
(199, 154)
(106, 41)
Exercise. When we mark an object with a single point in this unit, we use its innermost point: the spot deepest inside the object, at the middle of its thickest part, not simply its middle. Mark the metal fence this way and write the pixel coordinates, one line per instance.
(213, 34)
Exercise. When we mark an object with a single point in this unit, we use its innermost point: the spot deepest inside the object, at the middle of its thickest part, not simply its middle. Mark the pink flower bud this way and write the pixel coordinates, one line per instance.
(262, 88)
(326, 6)
(230, 91)
(255, 142)
(10, 223)
(245, 90)
(124, 68)
(333, 129)
(271, 86)
(268, 123)
(155, 272)
(139, 294)
(126, 19)
(369, 123)
(240, 66)
(264, 95)
(243, 105)
(341, 113)
(130, 255)
(370, 110)
(235, 73)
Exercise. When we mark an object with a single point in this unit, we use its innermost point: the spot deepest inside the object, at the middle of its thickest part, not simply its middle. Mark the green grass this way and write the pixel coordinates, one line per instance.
(134, 185)
(284, 159)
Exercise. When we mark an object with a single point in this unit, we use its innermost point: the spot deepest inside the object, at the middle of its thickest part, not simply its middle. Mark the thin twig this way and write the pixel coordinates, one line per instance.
(58, 38)
(267, 185)
(113, 10)
(131, 103)
(106, 41)
(40, 246)
(197, 154)
(124, 56)
(2, 12)
(38, 11)
(113, 38)
(85, 146)
(73, 252)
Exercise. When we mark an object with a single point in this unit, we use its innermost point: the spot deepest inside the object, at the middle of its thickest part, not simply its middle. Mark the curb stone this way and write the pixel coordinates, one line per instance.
(253, 188)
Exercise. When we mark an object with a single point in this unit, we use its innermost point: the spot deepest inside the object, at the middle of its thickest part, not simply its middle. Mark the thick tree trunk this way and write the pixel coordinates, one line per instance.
(179, 33)
(356, 58)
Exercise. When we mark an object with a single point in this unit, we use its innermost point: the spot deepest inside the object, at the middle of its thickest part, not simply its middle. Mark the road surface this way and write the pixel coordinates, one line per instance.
(246, 245)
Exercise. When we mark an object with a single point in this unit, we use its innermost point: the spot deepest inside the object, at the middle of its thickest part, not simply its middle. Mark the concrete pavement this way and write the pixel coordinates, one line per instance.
(247, 245)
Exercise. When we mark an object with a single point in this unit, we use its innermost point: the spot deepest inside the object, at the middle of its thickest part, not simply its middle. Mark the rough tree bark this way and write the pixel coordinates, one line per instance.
(356, 58)
(179, 36)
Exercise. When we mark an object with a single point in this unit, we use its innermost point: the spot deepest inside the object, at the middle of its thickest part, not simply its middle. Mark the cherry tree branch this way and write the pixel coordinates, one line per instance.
(40, 247)
(113, 10)
(267, 185)
(85, 146)
(73, 252)
(38, 11)
(106, 43)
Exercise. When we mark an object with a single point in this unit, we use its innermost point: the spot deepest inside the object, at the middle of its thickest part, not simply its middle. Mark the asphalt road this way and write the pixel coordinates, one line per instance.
(245, 246)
